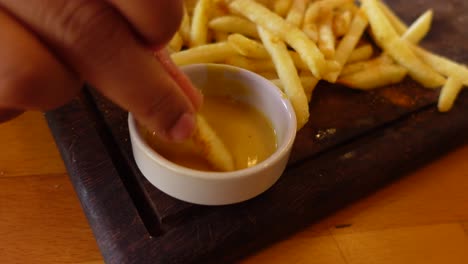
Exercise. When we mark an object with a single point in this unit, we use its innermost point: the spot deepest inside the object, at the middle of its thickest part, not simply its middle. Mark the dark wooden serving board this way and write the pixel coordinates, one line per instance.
(354, 143)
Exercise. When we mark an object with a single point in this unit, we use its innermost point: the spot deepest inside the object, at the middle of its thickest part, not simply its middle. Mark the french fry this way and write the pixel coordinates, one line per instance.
(288, 75)
(257, 65)
(185, 29)
(254, 49)
(312, 13)
(320, 8)
(199, 27)
(449, 93)
(281, 7)
(364, 65)
(443, 65)
(208, 53)
(333, 66)
(190, 5)
(375, 77)
(220, 36)
(267, 3)
(396, 22)
(211, 146)
(419, 28)
(362, 53)
(348, 43)
(297, 39)
(176, 43)
(311, 31)
(308, 83)
(341, 22)
(219, 8)
(387, 38)
(248, 47)
(326, 41)
(296, 12)
(234, 24)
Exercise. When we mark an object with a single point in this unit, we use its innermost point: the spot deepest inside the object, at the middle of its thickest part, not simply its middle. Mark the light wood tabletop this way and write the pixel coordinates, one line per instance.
(421, 218)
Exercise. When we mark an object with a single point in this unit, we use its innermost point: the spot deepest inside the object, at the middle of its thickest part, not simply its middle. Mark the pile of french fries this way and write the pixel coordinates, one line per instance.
(297, 43)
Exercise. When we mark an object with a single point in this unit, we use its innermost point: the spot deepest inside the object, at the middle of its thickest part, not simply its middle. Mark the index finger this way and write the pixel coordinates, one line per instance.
(96, 42)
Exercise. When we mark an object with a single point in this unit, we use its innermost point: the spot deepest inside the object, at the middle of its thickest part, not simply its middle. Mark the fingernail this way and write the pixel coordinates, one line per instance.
(183, 128)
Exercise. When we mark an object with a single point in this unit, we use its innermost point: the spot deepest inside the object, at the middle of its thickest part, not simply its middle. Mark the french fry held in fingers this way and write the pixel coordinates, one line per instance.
(449, 93)
(288, 75)
(296, 38)
(211, 147)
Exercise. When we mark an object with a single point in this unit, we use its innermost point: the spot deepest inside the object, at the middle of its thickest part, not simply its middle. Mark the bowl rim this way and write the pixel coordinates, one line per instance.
(280, 152)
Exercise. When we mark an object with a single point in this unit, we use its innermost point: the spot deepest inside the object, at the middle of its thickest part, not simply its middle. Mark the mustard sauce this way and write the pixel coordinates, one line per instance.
(246, 132)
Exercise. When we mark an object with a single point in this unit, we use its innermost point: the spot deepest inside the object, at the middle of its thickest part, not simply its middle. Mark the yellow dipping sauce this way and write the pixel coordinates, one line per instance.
(245, 131)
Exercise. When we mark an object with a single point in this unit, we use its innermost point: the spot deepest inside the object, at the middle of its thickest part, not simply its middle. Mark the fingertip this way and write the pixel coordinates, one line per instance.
(183, 128)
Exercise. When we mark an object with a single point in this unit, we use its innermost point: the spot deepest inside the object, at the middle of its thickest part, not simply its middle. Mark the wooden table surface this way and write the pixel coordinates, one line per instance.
(422, 218)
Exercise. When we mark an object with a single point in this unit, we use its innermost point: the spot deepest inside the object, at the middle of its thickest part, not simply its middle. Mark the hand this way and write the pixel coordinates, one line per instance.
(48, 48)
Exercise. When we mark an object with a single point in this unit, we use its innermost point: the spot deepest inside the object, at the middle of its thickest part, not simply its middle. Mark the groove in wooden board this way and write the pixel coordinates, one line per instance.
(303, 249)
(114, 212)
(432, 244)
(405, 202)
(28, 209)
(27, 159)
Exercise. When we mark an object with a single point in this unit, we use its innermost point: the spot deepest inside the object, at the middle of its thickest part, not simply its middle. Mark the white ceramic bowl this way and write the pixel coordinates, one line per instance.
(218, 188)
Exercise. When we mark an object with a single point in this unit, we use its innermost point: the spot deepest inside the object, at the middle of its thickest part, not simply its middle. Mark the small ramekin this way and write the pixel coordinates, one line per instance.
(220, 188)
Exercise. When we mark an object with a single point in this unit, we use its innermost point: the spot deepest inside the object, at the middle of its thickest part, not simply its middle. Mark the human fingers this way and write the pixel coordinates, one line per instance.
(97, 42)
(147, 16)
(180, 78)
(30, 76)
(155, 20)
